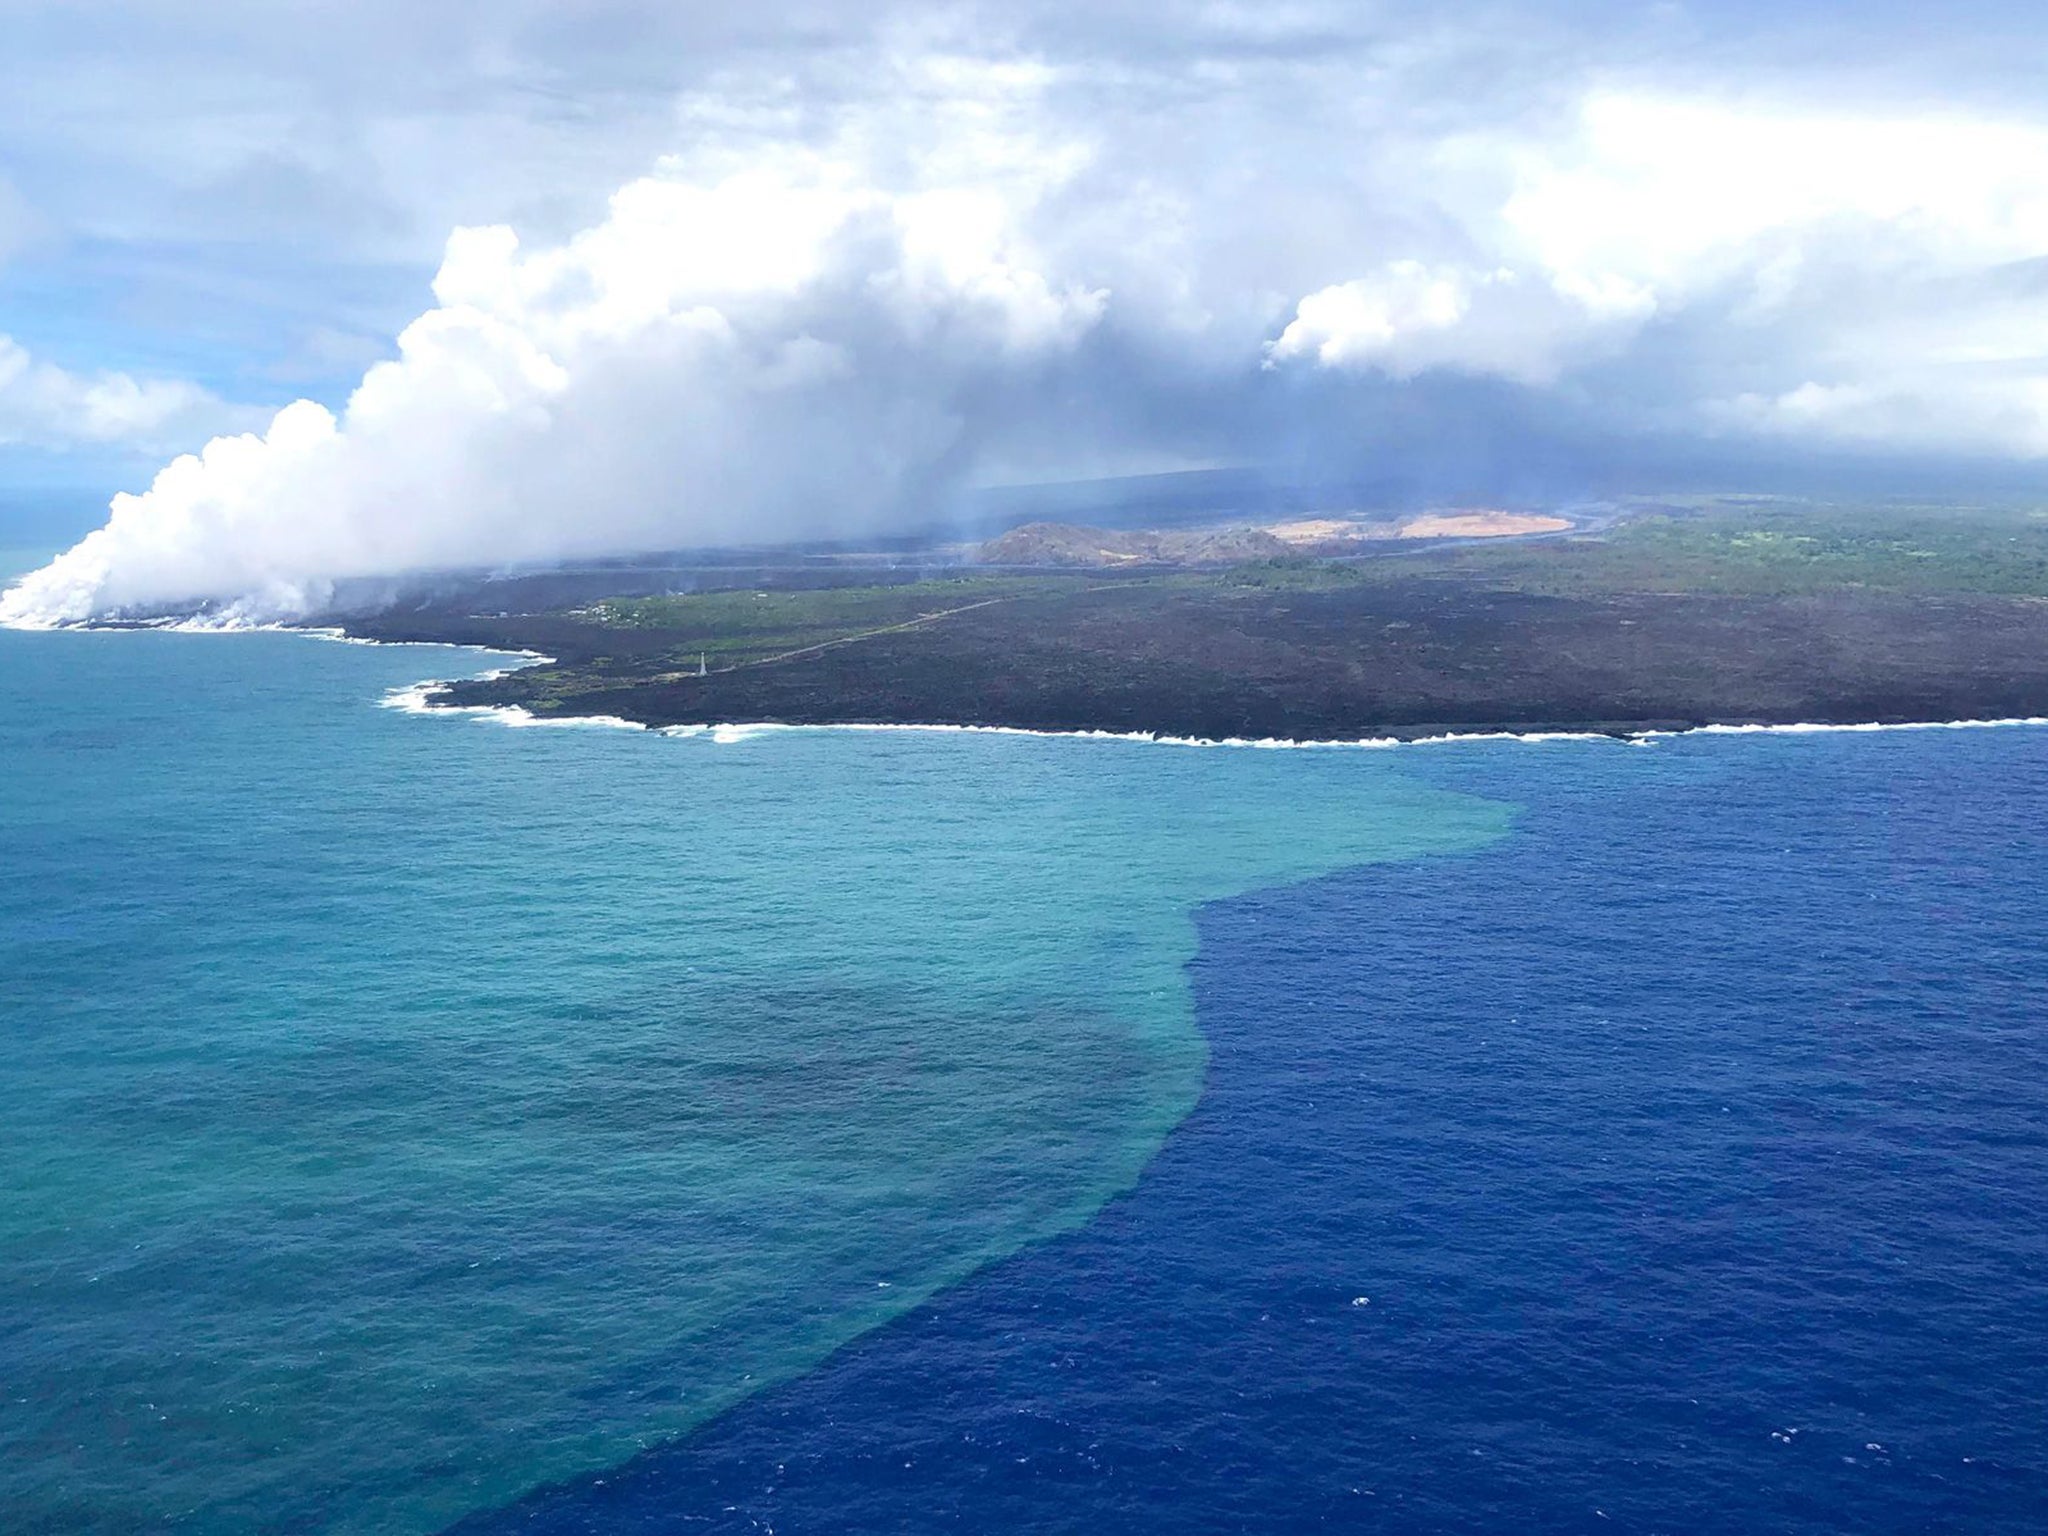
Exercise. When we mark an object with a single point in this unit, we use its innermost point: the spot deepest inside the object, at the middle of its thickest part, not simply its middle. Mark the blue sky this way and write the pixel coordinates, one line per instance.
(1118, 238)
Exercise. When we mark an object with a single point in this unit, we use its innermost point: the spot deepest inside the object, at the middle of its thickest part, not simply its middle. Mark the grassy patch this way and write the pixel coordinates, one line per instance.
(731, 629)
(1293, 573)
(1742, 548)
(1776, 552)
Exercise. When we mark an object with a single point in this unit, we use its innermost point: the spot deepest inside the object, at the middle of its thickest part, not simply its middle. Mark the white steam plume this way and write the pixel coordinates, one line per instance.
(781, 350)
(819, 317)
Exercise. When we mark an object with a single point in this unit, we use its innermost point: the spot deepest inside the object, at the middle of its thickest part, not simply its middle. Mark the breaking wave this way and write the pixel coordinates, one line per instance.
(419, 699)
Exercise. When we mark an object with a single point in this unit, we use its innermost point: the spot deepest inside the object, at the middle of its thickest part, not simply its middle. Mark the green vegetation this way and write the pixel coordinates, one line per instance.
(1749, 610)
(657, 639)
(1729, 609)
(1736, 547)
(1780, 550)
(1287, 573)
(731, 629)
(806, 611)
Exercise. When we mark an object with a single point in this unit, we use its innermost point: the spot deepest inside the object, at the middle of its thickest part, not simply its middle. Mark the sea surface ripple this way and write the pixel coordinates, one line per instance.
(1679, 1164)
(399, 1113)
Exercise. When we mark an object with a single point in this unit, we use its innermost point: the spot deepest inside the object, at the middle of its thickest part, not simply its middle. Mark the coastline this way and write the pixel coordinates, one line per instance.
(1078, 1381)
(507, 924)
(429, 697)
(1371, 663)
(422, 695)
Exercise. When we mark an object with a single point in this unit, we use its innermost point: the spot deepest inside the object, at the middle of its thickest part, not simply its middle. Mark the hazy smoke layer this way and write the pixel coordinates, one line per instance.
(783, 349)
(819, 320)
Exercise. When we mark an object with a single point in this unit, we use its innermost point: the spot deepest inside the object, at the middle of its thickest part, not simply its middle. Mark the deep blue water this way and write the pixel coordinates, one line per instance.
(399, 1113)
(399, 1116)
(1678, 1164)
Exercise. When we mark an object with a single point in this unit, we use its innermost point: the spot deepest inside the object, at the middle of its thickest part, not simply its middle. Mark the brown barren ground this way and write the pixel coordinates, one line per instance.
(1481, 525)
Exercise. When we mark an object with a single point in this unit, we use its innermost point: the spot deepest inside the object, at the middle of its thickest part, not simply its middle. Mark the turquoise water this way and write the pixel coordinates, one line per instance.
(399, 1113)
(1678, 1164)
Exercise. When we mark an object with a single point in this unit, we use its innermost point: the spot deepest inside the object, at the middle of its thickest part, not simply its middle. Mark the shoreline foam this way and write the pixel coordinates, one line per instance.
(415, 699)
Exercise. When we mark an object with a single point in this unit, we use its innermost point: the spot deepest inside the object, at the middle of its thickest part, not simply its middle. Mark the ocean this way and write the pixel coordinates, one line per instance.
(414, 1122)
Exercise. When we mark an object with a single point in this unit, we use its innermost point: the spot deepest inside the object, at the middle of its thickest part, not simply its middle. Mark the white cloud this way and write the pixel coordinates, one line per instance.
(1943, 414)
(783, 350)
(1408, 318)
(1379, 319)
(1876, 247)
(1679, 194)
(892, 267)
(47, 406)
